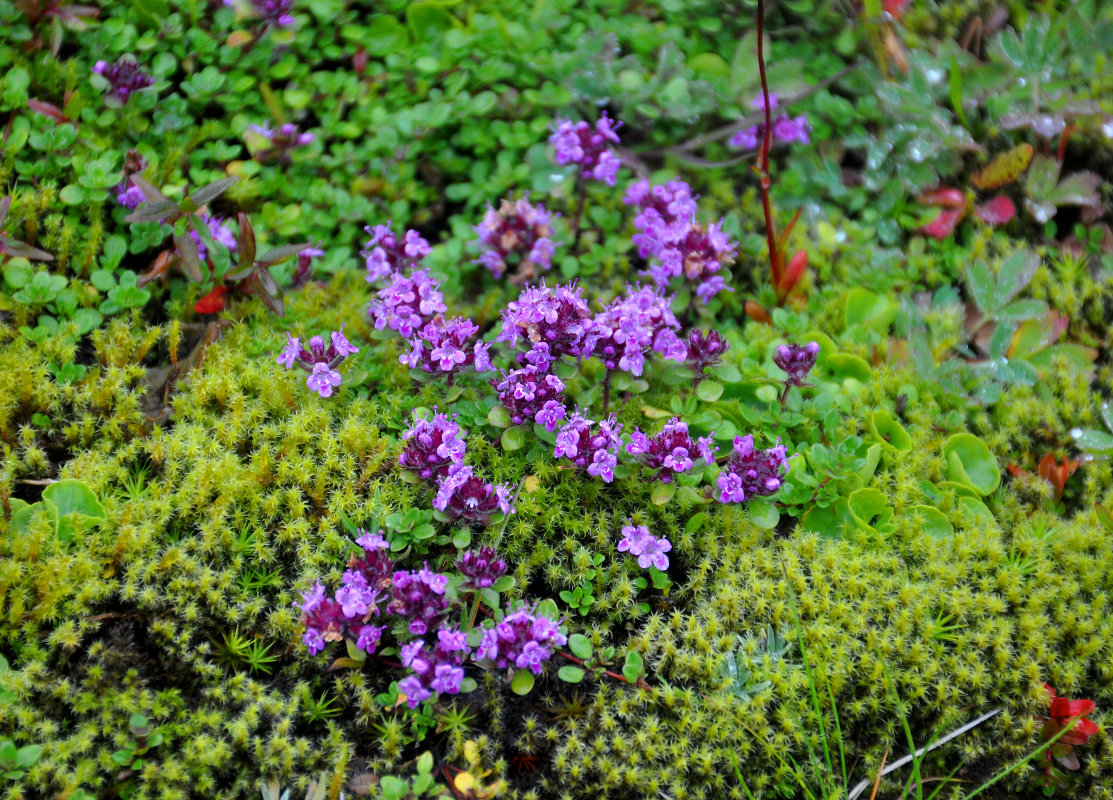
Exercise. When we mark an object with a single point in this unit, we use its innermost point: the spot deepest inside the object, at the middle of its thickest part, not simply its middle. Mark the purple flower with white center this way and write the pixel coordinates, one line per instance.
(671, 451)
(796, 360)
(623, 332)
(532, 392)
(649, 549)
(594, 449)
(786, 130)
(372, 541)
(125, 78)
(384, 254)
(705, 349)
(319, 360)
(518, 233)
(418, 597)
(323, 380)
(274, 12)
(432, 446)
(697, 256)
(442, 347)
(556, 316)
(461, 494)
(590, 148)
(521, 640)
(480, 568)
(408, 303)
(750, 473)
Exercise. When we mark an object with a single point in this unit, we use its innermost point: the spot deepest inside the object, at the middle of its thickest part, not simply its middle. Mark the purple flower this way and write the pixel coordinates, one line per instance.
(579, 143)
(696, 256)
(437, 669)
(220, 234)
(786, 130)
(305, 260)
(750, 473)
(460, 494)
(664, 215)
(286, 137)
(595, 450)
(372, 541)
(319, 360)
(796, 360)
(418, 597)
(556, 316)
(649, 549)
(532, 392)
(705, 349)
(432, 446)
(796, 129)
(346, 614)
(631, 326)
(275, 12)
(671, 451)
(385, 255)
(521, 640)
(129, 195)
(520, 232)
(125, 78)
(480, 568)
(408, 303)
(442, 347)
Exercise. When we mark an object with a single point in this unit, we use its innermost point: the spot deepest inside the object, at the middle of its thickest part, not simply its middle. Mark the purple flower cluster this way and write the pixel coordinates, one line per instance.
(385, 255)
(276, 12)
(678, 246)
(532, 392)
(633, 325)
(579, 143)
(480, 568)
(433, 446)
(408, 304)
(218, 229)
(348, 612)
(439, 669)
(520, 232)
(786, 130)
(463, 495)
(649, 549)
(705, 349)
(442, 347)
(125, 78)
(750, 473)
(796, 360)
(418, 597)
(129, 195)
(522, 640)
(594, 450)
(556, 316)
(319, 360)
(671, 451)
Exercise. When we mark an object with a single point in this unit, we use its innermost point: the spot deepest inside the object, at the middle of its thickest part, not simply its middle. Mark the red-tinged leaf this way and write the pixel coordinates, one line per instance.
(1015, 471)
(187, 255)
(211, 191)
(1004, 169)
(944, 225)
(998, 211)
(281, 253)
(48, 110)
(238, 38)
(159, 268)
(1036, 335)
(344, 663)
(793, 273)
(18, 249)
(946, 196)
(151, 192)
(783, 238)
(245, 243)
(757, 313)
(895, 8)
(212, 302)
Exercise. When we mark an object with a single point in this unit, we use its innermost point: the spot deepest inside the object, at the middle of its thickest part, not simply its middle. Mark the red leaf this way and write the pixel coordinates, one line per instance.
(895, 8)
(998, 211)
(944, 196)
(212, 302)
(757, 313)
(944, 225)
(793, 273)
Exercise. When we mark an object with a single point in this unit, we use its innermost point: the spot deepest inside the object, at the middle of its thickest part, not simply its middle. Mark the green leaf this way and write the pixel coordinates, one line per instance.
(1015, 273)
(935, 522)
(580, 646)
(888, 431)
(213, 190)
(727, 373)
(513, 438)
(522, 682)
(28, 755)
(982, 286)
(504, 584)
(662, 493)
(709, 391)
(571, 674)
(1095, 442)
(869, 508)
(74, 497)
(499, 416)
(385, 35)
(695, 523)
(763, 513)
(970, 462)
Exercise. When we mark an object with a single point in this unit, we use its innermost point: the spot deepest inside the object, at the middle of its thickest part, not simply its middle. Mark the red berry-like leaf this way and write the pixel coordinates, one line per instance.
(212, 302)
(998, 211)
(944, 225)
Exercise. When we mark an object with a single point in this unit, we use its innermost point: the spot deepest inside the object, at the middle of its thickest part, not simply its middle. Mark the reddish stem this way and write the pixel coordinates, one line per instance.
(766, 144)
(641, 684)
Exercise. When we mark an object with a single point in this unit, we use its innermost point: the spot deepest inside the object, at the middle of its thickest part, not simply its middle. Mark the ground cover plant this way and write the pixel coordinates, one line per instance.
(555, 400)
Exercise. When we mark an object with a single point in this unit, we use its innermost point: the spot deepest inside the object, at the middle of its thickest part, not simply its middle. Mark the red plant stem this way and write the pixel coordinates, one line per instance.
(766, 143)
(641, 684)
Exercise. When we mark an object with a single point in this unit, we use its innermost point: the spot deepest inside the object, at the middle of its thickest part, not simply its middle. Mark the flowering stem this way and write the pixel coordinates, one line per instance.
(763, 159)
(580, 203)
(606, 392)
(641, 684)
(784, 395)
(474, 611)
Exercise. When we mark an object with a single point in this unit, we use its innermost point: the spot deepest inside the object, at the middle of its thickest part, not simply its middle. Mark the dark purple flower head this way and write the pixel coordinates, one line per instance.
(671, 451)
(386, 255)
(460, 494)
(532, 392)
(556, 316)
(750, 473)
(630, 327)
(305, 260)
(408, 303)
(579, 143)
(589, 446)
(438, 669)
(318, 359)
(481, 568)
(125, 78)
(432, 446)
(442, 347)
(697, 256)
(705, 349)
(522, 640)
(796, 360)
(520, 232)
(418, 597)
(649, 549)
